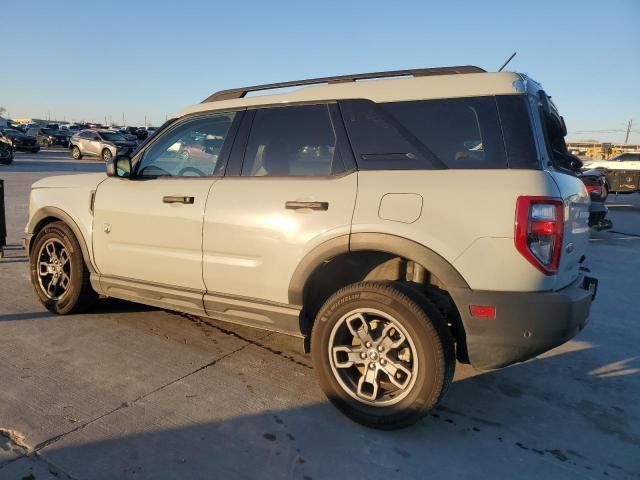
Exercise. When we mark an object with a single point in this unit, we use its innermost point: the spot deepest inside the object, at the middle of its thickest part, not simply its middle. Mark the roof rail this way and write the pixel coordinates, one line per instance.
(419, 72)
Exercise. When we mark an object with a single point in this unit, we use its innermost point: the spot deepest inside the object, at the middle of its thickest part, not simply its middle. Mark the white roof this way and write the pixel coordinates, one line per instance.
(380, 91)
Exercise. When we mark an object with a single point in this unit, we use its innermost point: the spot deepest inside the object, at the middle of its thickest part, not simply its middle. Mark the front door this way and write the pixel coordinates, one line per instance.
(148, 227)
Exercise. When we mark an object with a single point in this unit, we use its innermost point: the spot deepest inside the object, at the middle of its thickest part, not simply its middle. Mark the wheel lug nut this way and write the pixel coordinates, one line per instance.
(363, 355)
(381, 348)
(382, 361)
(372, 366)
(367, 344)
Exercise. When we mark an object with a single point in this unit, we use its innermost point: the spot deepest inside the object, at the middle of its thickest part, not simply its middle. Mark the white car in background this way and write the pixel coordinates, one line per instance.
(623, 161)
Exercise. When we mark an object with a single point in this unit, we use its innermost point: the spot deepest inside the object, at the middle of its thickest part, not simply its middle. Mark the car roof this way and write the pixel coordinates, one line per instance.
(456, 85)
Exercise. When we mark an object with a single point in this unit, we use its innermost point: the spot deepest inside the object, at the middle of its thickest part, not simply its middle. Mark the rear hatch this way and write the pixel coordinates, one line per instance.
(565, 170)
(575, 236)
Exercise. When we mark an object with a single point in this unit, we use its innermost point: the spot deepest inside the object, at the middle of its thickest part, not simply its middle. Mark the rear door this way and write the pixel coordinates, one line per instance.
(290, 186)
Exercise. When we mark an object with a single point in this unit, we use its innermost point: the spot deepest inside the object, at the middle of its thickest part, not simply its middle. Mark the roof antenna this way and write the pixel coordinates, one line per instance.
(507, 62)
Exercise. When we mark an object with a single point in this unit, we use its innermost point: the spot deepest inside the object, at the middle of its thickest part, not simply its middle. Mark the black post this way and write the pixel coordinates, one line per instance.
(3, 221)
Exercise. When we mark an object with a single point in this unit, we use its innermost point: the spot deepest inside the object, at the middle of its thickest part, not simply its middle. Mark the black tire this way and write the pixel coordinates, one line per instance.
(35, 150)
(421, 321)
(106, 154)
(79, 295)
(45, 143)
(76, 153)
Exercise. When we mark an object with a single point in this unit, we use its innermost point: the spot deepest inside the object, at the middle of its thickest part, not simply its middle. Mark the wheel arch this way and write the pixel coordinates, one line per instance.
(349, 259)
(46, 215)
(376, 242)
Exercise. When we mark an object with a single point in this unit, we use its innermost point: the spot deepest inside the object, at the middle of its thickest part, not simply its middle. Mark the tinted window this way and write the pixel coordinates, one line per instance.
(380, 142)
(112, 136)
(87, 135)
(631, 157)
(191, 148)
(517, 131)
(291, 141)
(461, 132)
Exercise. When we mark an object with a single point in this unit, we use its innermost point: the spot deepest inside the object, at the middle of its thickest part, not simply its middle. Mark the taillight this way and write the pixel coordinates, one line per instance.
(595, 189)
(538, 231)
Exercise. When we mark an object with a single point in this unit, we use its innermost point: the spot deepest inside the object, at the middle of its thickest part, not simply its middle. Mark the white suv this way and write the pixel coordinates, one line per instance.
(395, 225)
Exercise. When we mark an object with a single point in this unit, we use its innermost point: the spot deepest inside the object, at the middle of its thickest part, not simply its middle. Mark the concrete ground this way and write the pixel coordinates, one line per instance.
(131, 392)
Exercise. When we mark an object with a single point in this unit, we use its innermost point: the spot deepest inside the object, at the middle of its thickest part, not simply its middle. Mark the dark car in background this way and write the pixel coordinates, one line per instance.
(43, 139)
(6, 150)
(597, 186)
(60, 137)
(22, 142)
(140, 133)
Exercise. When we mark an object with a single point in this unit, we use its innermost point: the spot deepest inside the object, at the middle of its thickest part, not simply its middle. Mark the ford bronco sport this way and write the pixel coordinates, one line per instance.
(396, 225)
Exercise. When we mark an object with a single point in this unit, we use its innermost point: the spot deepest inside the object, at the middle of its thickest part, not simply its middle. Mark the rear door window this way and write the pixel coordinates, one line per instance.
(294, 141)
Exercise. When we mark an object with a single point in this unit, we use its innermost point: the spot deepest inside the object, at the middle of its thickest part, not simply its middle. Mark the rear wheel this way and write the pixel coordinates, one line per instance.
(384, 357)
(106, 154)
(58, 272)
(76, 153)
(46, 143)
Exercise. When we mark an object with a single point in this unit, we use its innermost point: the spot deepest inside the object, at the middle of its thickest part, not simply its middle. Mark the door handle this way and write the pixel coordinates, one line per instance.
(293, 205)
(178, 199)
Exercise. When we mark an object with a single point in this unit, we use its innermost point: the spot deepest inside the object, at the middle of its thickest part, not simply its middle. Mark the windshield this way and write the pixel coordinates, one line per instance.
(113, 136)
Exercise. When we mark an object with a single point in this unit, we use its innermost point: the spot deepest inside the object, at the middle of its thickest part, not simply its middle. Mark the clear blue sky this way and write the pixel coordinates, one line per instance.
(87, 60)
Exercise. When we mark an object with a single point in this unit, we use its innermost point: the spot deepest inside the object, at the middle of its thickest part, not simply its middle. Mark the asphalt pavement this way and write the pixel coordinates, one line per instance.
(133, 392)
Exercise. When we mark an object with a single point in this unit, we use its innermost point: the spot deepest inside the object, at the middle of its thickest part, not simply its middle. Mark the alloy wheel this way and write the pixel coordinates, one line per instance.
(54, 269)
(373, 357)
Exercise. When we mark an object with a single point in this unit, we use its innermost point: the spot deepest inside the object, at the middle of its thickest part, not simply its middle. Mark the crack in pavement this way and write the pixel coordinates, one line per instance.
(124, 405)
(25, 450)
(202, 321)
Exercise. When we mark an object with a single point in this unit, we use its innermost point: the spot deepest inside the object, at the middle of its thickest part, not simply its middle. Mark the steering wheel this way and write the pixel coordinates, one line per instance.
(195, 170)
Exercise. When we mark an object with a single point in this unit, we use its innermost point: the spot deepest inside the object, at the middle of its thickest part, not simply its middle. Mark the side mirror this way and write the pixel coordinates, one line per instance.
(119, 166)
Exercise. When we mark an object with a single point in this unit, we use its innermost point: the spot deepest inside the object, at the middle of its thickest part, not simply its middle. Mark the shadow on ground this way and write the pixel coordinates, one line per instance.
(480, 416)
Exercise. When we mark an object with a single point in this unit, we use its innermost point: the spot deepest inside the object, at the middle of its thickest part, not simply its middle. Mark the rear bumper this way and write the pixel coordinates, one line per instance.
(526, 323)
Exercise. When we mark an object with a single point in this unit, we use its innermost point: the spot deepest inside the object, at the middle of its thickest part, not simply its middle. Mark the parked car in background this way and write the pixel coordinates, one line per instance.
(596, 184)
(130, 137)
(100, 143)
(140, 133)
(622, 171)
(44, 139)
(22, 142)
(50, 136)
(151, 130)
(622, 161)
(6, 150)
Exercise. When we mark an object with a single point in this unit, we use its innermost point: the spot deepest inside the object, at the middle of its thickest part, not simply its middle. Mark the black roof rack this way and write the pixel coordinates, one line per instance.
(418, 72)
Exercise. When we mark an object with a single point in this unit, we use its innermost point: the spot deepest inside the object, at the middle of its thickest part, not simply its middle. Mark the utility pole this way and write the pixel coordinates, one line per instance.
(626, 138)
(123, 124)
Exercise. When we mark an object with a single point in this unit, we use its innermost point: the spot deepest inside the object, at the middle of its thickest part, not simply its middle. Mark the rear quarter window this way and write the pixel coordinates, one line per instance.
(462, 132)
(457, 133)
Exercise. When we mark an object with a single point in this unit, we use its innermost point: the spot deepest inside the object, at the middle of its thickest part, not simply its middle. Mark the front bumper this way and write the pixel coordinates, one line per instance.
(526, 323)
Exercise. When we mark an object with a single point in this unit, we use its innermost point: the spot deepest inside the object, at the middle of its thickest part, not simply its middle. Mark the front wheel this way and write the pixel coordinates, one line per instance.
(76, 153)
(106, 154)
(383, 354)
(58, 272)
